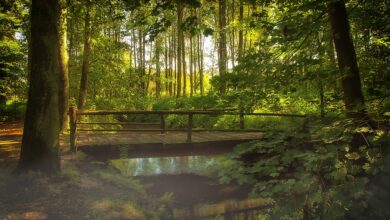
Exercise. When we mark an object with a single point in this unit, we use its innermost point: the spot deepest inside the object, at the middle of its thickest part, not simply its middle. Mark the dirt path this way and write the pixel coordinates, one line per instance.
(10, 140)
(84, 190)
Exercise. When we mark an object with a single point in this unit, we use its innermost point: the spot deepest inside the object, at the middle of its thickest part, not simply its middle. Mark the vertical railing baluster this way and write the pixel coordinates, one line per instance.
(162, 123)
(73, 128)
(242, 125)
(189, 131)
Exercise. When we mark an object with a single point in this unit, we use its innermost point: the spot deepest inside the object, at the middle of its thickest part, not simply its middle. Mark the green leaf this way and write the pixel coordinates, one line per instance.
(353, 156)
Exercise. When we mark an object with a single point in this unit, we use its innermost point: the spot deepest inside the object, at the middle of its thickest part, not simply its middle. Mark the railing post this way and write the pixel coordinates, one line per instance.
(189, 131)
(242, 126)
(73, 127)
(162, 123)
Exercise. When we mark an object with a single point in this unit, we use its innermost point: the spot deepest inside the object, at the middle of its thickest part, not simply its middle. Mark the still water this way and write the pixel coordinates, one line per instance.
(196, 192)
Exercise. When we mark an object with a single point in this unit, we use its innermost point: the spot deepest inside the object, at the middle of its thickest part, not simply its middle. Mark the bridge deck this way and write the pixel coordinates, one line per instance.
(88, 139)
(137, 145)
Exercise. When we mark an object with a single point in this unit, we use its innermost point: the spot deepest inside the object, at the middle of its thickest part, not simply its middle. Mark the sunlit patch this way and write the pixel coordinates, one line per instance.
(102, 205)
(32, 215)
(131, 212)
(9, 142)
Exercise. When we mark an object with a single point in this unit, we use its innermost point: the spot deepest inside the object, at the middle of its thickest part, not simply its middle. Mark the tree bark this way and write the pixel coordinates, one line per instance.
(170, 52)
(222, 57)
(200, 57)
(86, 55)
(232, 40)
(346, 56)
(179, 44)
(240, 32)
(183, 53)
(40, 143)
(63, 59)
(166, 67)
(191, 63)
(158, 68)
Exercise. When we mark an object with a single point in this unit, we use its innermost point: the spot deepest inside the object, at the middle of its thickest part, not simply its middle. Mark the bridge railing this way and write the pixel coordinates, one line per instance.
(75, 116)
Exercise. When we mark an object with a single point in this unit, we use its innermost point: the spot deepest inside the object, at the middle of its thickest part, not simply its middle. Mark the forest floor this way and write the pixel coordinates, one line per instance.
(83, 190)
(88, 189)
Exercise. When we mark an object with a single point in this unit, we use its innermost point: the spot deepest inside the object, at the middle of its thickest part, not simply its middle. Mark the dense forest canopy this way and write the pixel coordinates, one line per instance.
(271, 55)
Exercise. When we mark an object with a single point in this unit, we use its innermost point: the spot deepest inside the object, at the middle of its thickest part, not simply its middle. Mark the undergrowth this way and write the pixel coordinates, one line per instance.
(320, 173)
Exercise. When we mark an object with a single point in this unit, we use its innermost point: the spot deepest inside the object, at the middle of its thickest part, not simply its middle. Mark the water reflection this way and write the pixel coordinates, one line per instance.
(201, 165)
(192, 182)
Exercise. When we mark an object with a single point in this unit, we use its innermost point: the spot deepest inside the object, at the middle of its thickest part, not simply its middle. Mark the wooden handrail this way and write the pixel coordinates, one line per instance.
(74, 115)
(118, 123)
(181, 112)
(173, 129)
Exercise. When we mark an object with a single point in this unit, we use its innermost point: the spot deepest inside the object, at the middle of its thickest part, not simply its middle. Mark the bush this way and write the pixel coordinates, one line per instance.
(12, 111)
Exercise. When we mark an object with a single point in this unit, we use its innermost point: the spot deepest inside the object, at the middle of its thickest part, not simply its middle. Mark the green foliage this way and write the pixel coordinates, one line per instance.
(323, 179)
(12, 110)
(13, 47)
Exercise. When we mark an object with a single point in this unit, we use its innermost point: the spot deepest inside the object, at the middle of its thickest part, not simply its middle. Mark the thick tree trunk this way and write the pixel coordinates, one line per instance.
(40, 143)
(64, 79)
(346, 56)
(86, 55)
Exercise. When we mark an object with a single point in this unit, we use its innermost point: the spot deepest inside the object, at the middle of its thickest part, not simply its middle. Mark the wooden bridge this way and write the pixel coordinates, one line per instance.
(113, 138)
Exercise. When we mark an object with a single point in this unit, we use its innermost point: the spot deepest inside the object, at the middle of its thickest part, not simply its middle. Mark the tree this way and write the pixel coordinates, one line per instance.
(346, 56)
(64, 79)
(40, 143)
(86, 55)
(222, 55)
(179, 45)
(12, 62)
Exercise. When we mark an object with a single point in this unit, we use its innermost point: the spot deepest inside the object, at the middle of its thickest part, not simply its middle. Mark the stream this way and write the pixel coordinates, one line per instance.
(192, 184)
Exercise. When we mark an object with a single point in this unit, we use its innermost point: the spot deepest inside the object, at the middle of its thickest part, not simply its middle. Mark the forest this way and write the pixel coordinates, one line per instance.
(265, 109)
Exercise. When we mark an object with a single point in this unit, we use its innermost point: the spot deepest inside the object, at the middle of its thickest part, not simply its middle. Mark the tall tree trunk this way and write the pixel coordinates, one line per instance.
(64, 79)
(232, 40)
(134, 40)
(142, 61)
(150, 68)
(196, 61)
(200, 57)
(346, 56)
(179, 44)
(171, 50)
(40, 143)
(86, 55)
(191, 63)
(183, 53)
(174, 62)
(166, 65)
(222, 58)
(158, 69)
(240, 32)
